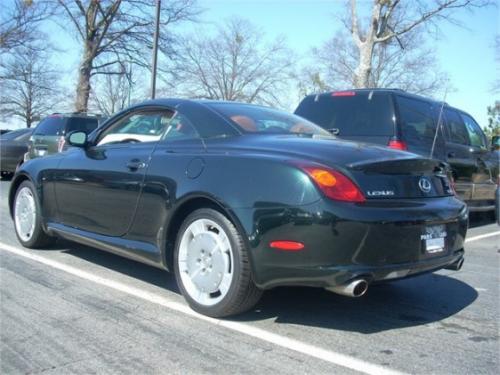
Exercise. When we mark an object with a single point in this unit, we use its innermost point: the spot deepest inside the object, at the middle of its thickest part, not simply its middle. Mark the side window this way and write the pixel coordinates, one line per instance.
(456, 128)
(146, 126)
(417, 120)
(179, 128)
(476, 136)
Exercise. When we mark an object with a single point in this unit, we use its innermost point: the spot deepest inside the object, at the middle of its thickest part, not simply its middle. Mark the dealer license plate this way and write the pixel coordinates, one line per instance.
(434, 239)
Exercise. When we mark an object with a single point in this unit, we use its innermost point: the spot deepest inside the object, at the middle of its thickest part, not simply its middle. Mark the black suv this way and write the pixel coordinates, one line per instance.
(404, 121)
(49, 135)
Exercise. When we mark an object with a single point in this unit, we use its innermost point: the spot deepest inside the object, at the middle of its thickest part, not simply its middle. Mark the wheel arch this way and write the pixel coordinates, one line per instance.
(18, 180)
(183, 210)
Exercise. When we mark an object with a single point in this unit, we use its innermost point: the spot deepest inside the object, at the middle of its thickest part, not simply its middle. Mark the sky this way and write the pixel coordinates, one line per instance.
(466, 54)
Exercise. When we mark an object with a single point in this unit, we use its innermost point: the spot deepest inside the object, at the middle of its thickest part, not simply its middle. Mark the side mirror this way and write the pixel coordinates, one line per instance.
(77, 139)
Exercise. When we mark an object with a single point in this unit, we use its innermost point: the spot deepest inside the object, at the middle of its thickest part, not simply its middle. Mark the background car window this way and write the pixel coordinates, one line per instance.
(87, 125)
(137, 127)
(52, 125)
(179, 127)
(254, 119)
(417, 120)
(475, 134)
(362, 114)
(456, 128)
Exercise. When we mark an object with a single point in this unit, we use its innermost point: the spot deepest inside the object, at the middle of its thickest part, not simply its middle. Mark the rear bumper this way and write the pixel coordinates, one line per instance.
(328, 276)
(377, 240)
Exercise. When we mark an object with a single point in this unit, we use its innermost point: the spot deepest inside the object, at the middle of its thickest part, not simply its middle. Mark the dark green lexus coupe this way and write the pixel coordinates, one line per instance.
(236, 198)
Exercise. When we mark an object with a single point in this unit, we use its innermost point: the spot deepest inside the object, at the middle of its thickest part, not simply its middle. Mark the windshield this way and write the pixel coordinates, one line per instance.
(263, 120)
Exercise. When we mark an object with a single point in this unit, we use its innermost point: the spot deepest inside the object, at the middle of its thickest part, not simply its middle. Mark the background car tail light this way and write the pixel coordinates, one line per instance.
(287, 245)
(60, 144)
(397, 145)
(333, 184)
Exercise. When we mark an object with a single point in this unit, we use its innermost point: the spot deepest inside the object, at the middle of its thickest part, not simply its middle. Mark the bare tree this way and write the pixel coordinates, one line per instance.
(116, 32)
(390, 20)
(29, 88)
(413, 68)
(114, 92)
(19, 20)
(234, 64)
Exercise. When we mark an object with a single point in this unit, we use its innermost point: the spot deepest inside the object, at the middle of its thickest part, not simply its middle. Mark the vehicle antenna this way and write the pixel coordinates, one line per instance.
(439, 123)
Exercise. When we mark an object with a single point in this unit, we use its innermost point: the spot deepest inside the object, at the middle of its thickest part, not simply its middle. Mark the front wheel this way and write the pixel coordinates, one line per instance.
(28, 218)
(211, 265)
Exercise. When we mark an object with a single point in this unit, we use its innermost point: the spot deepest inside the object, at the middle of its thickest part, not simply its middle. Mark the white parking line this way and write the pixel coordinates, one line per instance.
(480, 237)
(246, 329)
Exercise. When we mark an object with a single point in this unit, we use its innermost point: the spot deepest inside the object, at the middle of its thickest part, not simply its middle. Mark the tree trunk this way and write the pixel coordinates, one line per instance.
(364, 68)
(365, 44)
(83, 88)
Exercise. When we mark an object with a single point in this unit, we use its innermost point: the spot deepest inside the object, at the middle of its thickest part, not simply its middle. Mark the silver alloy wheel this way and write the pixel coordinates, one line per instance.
(205, 261)
(25, 214)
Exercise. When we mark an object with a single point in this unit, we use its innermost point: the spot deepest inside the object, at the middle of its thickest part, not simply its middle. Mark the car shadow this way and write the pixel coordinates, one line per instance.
(139, 271)
(405, 303)
(478, 219)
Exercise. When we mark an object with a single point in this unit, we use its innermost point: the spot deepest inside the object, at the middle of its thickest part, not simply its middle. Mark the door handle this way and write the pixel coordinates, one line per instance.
(135, 164)
(451, 154)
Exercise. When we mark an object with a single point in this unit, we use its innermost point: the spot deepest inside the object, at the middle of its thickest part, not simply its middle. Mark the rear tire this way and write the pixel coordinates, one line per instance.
(28, 218)
(211, 265)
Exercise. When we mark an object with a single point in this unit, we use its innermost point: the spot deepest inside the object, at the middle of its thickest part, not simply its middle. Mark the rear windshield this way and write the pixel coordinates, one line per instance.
(354, 114)
(56, 125)
(263, 120)
(86, 125)
(53, 125)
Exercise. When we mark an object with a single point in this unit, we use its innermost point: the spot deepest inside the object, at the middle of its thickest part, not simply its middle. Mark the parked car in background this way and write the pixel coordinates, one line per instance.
(495, 143)
(403, 121)
(236, 198)
(49, 136)
(13, 146)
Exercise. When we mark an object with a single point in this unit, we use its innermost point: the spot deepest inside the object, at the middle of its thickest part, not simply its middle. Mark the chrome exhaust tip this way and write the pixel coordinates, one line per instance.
(455, 266)
(355, 288)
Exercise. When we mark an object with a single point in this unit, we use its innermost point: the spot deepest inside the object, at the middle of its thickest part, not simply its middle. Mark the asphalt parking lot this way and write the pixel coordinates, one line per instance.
(73, 309)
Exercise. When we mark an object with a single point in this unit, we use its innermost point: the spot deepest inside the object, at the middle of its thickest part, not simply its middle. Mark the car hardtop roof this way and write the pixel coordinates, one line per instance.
(75, 114)
(174, 102)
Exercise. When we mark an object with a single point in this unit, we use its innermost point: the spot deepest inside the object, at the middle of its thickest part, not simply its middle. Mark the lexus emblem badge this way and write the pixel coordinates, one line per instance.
(424, 184)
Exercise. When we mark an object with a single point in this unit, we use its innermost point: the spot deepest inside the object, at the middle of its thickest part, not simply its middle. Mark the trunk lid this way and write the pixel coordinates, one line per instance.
(380, 172)
(404, 178)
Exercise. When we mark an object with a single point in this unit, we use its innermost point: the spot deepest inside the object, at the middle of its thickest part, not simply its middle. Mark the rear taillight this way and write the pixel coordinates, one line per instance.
(333, 184)
(397, 145)
(60, 144)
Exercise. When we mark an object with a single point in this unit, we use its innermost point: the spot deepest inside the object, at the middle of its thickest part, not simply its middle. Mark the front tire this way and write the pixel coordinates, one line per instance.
(211, 265)
(28, 218)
